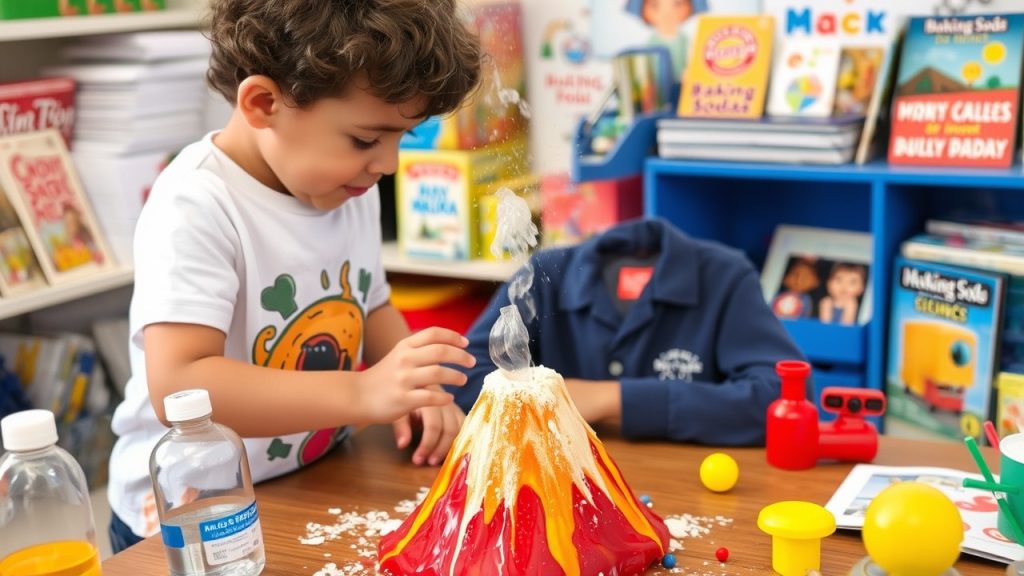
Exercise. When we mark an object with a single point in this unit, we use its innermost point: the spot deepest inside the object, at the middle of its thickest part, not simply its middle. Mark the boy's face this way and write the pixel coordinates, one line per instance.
(336, 148)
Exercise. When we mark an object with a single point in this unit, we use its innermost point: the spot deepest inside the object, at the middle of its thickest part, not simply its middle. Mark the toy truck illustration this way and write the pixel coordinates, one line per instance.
(938, 363)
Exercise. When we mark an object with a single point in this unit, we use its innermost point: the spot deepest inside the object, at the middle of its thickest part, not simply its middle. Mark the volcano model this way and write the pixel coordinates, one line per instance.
(527, 489)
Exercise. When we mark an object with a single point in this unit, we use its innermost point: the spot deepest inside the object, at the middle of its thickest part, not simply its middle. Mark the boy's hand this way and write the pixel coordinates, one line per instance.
(440, 425)
(410, 376)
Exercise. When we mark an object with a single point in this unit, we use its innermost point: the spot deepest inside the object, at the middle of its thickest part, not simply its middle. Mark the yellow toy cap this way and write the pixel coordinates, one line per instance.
(797, 529)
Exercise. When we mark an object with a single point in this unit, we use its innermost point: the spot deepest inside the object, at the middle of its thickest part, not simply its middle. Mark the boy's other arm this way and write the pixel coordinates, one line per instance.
(731, 412)
(257, 401)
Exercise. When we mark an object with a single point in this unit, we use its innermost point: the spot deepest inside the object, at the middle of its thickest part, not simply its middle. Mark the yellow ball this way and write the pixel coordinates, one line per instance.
(719, 472)
(913, 528)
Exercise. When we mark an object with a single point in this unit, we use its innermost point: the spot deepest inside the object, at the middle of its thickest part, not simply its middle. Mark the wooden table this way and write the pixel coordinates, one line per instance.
(370, 474)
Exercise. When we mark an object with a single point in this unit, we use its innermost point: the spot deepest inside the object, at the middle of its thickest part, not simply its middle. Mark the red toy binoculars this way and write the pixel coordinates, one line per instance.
(797, 440)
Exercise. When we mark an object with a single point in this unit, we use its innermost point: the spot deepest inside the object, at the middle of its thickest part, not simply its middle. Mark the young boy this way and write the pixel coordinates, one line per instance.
(668, 336)
(258, 273)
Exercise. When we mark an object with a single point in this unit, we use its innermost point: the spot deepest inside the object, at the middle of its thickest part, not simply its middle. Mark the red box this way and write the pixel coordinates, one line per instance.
(572, 212)
(35, 105)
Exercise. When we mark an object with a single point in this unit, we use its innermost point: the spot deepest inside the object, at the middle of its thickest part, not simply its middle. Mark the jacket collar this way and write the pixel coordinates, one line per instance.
(675, 279)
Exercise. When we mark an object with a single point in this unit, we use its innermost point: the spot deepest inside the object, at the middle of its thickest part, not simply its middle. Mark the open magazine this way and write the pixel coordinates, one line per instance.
(978, 508)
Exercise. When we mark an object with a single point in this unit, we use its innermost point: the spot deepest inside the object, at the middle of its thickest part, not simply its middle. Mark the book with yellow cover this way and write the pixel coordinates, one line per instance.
(727, 76)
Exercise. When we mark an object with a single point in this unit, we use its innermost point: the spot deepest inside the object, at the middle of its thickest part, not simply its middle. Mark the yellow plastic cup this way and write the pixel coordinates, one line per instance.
(796, 529)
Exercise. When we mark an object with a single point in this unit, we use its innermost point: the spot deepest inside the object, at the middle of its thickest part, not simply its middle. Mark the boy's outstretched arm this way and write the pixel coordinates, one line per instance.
(256, 401)
(385, 330)
(732, 410)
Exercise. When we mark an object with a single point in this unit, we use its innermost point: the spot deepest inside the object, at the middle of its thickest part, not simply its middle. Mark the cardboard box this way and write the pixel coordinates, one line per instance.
(574, 212)
(438, 192)
(493, 113)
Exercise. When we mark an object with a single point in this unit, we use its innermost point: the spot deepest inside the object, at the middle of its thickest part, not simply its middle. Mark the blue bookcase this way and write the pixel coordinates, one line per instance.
(740, 204)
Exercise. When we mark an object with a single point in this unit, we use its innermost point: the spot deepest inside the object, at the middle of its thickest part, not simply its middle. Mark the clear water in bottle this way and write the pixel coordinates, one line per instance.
(192, 558)
(208, 517)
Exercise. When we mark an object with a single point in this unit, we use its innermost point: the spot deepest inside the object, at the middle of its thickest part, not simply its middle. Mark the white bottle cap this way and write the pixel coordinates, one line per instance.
(187, 405)
(28, 430)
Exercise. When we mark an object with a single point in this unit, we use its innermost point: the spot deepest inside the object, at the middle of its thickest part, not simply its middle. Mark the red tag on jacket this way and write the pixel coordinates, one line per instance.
(632, 280)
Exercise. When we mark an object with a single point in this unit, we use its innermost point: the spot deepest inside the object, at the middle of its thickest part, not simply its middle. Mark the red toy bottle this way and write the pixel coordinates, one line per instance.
(792, 429)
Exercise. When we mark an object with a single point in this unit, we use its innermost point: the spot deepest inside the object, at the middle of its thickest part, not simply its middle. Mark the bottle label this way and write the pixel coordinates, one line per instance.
(231, 537)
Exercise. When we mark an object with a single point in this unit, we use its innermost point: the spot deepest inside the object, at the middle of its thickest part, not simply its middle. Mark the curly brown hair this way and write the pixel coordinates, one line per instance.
(314, 48)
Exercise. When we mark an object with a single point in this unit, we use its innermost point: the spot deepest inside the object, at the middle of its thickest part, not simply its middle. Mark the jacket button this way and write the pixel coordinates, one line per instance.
(615, 368)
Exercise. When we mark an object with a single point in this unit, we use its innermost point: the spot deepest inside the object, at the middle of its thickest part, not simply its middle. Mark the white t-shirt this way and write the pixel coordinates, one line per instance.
(288, 284)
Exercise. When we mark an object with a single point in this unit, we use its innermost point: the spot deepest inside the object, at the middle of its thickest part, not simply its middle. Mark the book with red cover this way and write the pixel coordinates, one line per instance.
(957, 91)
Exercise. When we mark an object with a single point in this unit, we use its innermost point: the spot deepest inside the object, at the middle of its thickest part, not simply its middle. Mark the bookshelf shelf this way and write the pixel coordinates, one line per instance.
(43, 28)
(66, 292)
(740, 204)
(484, 270)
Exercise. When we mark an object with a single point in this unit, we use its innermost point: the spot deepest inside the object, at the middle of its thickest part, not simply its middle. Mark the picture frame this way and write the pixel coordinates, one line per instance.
(819, 274)
(41, 183)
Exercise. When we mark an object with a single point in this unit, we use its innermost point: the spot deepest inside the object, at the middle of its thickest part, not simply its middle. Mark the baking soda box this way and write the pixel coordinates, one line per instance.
(727, 76)
(957, 91)
(438, 193)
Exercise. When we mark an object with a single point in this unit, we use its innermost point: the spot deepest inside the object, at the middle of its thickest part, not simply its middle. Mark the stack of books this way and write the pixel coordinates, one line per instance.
(141, 97)
(792, 139)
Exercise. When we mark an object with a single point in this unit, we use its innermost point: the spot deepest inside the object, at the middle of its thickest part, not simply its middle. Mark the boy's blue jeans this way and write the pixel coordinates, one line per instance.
(121, 536)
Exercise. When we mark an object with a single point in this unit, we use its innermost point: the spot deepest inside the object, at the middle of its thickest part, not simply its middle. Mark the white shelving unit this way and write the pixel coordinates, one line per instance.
(43, 28)
(467, 270)
(67, 292)
(31, 43)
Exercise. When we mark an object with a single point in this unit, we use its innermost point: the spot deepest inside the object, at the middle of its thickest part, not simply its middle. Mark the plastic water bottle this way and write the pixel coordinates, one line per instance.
(46, 524)
(208, 517)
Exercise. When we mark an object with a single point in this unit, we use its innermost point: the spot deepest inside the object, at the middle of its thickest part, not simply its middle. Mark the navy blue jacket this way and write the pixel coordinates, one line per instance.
(695, 354)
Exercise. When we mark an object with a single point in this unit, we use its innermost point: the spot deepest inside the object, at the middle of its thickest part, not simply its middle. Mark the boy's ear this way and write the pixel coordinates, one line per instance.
(259, 100)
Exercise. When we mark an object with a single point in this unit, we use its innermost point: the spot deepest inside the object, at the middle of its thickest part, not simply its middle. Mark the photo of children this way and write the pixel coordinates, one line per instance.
(823, 289)
(819, 274)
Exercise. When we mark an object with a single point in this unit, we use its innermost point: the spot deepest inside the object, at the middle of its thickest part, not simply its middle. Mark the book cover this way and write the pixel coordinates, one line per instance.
(618, 25)
(564, 79)
(728, 75)
(19, 268)
(957, 91)
(39, 104)
(42, 185)
(876, 117)
(859, 69)
(819, 273)
(977, 507)
(804, 79)
(943, 348)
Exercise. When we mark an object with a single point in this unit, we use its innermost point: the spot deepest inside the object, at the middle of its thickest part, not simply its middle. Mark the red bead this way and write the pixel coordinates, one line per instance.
(722, 554)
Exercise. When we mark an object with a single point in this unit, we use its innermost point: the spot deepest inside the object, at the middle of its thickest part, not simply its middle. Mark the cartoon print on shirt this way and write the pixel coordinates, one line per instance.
(326, 335)
(676, 364)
